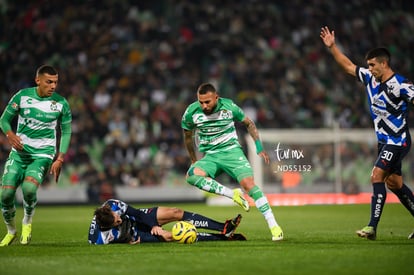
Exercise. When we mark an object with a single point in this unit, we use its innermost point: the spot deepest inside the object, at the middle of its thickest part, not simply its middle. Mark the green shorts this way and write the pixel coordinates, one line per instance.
(18, 168)
(232, 162)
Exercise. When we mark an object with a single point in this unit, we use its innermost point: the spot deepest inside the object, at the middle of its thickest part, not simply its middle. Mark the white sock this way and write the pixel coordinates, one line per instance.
(11, 227)
(27, 219)
(268, 214)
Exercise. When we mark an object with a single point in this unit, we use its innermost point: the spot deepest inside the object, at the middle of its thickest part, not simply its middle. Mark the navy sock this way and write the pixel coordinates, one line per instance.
(377, 203)
(406, 197)
(201, 221)
(204, 236)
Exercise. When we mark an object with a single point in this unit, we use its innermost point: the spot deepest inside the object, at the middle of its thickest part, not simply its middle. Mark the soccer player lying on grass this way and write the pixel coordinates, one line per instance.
(117, 222)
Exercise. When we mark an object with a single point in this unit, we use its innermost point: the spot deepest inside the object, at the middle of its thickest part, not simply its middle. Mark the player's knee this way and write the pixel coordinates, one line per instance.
(177, 213)
(393, 185)
(378, 175)
(29, 189)
(7, 196)
(247, 183)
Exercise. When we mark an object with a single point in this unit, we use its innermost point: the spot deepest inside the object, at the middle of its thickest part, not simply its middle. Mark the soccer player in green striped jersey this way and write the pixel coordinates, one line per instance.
(211, 119)
(40, 111)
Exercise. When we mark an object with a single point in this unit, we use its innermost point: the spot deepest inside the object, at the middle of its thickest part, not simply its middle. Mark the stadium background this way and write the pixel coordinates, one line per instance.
(129, 69)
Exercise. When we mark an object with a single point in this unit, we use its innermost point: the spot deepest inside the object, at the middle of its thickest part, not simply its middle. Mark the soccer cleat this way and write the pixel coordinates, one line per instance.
(277, 233)
(240, 200)
(26, 234)
(8, 239)
(367, 232)
(411, 236)
(231, 225)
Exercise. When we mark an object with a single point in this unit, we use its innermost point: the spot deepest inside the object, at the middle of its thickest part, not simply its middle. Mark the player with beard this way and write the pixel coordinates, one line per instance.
(211, 120)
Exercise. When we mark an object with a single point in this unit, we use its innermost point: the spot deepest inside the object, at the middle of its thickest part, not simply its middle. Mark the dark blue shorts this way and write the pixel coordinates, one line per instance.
(147, 216)
(390, 157)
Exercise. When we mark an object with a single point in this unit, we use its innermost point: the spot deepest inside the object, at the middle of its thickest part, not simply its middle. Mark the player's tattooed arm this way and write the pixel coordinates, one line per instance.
(189, 145)
(254, 133)
(251, 128)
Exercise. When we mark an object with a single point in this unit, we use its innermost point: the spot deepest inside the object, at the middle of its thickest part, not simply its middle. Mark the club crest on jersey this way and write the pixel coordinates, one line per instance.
(14, 106)
(53, 106)
(225, 114)
(390, 89)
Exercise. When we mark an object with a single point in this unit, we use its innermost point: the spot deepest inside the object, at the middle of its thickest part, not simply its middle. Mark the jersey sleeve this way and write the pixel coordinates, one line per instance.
(407, 91)
(238, 112)
(363, 75)
(9, 113)
(186, 120)
(117, 206)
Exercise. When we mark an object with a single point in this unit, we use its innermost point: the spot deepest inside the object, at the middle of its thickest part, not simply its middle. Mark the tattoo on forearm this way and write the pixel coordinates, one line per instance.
(251, 128)
(189, 145)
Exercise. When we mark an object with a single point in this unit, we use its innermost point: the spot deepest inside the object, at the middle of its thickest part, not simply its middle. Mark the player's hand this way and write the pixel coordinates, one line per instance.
(135, 242)
(157, 230)
(327, 36)
(55, 169)
(14, 140)
(265, 156)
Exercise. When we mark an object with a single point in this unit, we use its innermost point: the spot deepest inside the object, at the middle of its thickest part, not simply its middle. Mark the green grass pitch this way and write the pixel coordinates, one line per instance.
(319, 239)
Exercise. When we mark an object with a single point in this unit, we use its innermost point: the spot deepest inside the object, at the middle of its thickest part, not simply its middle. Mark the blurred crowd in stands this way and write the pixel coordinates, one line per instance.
(129, 68)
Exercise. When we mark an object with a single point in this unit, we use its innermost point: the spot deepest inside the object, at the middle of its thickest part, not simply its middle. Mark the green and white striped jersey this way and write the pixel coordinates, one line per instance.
(37, 120)
(216, 131)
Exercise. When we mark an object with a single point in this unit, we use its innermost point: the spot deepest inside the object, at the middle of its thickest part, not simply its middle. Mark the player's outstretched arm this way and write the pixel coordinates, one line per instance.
(328, 38)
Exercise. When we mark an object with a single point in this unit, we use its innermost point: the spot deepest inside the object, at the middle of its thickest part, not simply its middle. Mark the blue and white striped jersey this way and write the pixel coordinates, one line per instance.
(120, 234)
(388, 102)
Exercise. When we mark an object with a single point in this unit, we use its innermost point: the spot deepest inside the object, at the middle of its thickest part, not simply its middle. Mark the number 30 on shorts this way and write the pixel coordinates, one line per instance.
(387, 155)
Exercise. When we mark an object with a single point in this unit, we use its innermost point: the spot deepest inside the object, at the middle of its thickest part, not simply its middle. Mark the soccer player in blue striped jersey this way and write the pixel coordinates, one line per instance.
(39, 111)
(389, 95)
(117, 222)
(211, 122)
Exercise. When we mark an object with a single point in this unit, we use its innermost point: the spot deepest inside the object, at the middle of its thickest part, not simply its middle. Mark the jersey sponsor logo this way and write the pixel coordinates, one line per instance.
(379, 112)
(379, 102)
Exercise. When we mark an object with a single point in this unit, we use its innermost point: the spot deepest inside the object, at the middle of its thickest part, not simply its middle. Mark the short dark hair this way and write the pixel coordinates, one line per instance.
(205, 88)
(382, 54)
(46, 69)
(104, 217)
